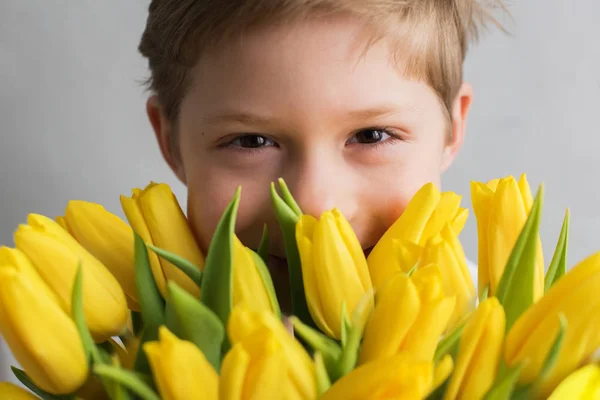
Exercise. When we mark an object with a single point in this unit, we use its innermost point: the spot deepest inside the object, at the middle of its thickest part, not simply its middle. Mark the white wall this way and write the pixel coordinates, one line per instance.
(72, 122)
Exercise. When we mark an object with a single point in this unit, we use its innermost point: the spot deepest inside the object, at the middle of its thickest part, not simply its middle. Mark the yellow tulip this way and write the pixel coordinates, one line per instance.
(501, 209)
(14, 392)
(392, 378)
(575, 296)
(56, 256)
(334, 268)
(156, 216)
(424, 217)
(479, 352)
(18, 260)
(444, 249)
(180, 369)
(108, 238)
(254, 369)
(583, 384)
(300, 376)
(248, 286)
(41, 336)
(409, 317)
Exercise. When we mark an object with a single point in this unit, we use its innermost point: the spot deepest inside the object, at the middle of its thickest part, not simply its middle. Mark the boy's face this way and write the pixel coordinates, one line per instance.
(344, 129)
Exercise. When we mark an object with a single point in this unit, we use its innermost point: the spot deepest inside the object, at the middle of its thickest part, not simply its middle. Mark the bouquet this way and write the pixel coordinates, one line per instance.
(93, 307)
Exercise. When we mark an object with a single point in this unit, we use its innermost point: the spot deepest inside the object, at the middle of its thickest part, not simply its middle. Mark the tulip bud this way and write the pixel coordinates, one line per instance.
(41, 336)
(479, 352)
(108, 238)
(575, 296)
(501, 208)
(156, 216)
(425, 216)
(396, 377)
(14, 392)
(410, 315)
(300, 377)
(180, 369)
(248, 284)
(56, 256)
(581, 384)
(334, 268)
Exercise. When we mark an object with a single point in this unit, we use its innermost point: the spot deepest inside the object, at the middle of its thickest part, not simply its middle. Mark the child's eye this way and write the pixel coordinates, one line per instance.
(252, 141)
(371, 136)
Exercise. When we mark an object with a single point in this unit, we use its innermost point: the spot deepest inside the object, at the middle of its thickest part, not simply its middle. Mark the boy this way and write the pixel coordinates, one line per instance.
(355, 103)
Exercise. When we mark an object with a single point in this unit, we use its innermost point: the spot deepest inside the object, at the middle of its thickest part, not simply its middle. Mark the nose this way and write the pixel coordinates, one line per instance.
(320, 183)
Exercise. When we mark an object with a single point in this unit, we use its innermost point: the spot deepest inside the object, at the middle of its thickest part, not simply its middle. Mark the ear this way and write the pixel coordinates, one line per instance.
(460, 111)
(164, 131)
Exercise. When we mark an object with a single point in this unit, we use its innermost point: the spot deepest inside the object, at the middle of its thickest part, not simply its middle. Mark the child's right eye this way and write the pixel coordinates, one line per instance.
(252, 141)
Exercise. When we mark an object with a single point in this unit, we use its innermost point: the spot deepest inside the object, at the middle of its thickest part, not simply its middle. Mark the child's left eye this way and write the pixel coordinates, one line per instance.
(372, 136)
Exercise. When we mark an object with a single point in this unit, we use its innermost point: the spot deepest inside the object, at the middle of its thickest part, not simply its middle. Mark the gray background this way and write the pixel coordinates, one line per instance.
(72, 121)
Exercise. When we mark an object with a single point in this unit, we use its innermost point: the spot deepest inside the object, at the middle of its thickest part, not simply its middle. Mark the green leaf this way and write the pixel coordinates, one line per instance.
(137, 322)
(329, 348)
(91, 351)
(484, 294)
(127, 379)
(263, 247)
(516, 287)
(354, 334)
(265, 276)
(346, 325)
(197, 324)
(141, 360)
(217, 284)
(288, 218)
(323, 381)
(413, 269)
(28, 383)
(191, 270)
(504, 386)
(288, 198)
(151, 303)
(449, 343)
(558, 265)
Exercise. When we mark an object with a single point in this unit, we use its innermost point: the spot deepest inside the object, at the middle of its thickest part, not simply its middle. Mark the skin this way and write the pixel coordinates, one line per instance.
(345, 128)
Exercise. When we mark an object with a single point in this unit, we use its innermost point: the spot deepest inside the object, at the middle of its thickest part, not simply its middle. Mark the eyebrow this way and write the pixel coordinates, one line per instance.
(362, 114)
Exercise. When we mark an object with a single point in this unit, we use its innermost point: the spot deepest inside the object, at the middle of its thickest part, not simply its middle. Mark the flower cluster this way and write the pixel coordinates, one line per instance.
(95, 307)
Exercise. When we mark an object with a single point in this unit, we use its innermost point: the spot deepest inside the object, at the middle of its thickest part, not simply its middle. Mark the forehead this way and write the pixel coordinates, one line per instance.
(311, 66)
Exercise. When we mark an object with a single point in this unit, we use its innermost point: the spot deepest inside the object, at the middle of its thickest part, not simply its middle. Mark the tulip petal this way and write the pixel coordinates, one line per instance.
(354, 248)
(396, 309)
(55, 363)
(481, 197)
(14, 392)
(446, 210)
(582, 384)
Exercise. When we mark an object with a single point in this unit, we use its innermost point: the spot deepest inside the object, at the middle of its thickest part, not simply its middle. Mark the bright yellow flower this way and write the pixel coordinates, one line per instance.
(14, 392)
(575, 296)
(255, 369)
(180, 369)
(409, 317)
(392, 378)
(18, 260)
(41, 336)
(444, 249)
(156, 216)
(583, 384)
(501, 208)
(334, 268)
(108, 238)
(424, 217)
(479, 352)
(248, 286)
(56, 256)
(300, 375)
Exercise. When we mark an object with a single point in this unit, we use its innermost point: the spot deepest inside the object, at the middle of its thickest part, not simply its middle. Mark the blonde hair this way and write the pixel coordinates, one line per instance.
(434, 35)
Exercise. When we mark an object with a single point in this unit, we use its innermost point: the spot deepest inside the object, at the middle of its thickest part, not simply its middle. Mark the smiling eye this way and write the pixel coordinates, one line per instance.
(370, 136)
(252, 141)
